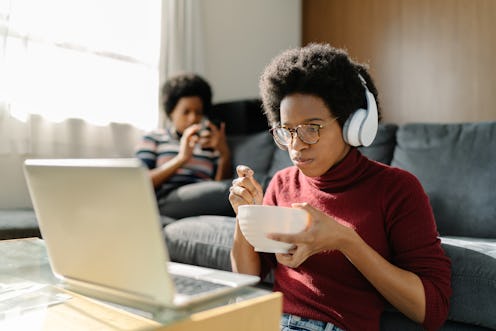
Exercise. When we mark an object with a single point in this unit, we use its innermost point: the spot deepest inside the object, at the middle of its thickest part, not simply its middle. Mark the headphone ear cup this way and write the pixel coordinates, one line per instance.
(368, 129)
(352, 127)
(361, 126)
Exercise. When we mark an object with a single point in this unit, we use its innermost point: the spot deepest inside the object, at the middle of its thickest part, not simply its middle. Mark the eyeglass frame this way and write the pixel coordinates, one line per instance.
(294, 130)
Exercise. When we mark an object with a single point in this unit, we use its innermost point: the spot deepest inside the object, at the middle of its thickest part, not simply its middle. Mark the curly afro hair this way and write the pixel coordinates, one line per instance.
(320, 70)
(186, 85)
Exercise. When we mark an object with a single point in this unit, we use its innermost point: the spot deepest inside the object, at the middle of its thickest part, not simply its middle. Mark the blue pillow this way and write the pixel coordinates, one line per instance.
(382, 147)
(473, 279)
(254, 150)
(456, 165)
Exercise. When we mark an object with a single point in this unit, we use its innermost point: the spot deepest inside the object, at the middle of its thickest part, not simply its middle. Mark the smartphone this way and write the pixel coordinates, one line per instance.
(204, 132)
(204, 127)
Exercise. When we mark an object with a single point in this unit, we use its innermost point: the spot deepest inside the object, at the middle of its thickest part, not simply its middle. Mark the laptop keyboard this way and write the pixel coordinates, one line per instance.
(190, 286)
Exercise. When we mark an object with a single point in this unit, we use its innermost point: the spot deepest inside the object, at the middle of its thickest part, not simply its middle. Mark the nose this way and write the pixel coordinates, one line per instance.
(296, 143)
(194, 117)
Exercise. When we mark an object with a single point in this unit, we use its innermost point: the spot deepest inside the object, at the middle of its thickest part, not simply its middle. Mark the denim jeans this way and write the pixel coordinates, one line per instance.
(296, 323)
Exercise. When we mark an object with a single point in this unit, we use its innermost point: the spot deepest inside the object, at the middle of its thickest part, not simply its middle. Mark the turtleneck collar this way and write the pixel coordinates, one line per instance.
(341, 175)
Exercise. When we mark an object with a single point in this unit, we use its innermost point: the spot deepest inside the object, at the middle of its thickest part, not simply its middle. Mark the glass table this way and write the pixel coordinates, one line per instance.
(28, 288)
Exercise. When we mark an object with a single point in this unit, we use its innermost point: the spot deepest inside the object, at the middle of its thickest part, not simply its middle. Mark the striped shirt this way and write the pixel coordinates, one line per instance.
(160, 146)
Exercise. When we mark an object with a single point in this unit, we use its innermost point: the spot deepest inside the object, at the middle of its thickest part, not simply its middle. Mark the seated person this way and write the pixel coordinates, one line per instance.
(189, 150)
(371, 238)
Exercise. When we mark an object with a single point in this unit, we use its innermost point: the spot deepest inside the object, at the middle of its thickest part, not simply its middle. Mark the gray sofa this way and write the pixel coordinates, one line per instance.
(456, 163)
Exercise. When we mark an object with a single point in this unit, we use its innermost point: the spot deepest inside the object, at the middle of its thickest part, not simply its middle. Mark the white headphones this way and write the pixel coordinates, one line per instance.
(361, 127)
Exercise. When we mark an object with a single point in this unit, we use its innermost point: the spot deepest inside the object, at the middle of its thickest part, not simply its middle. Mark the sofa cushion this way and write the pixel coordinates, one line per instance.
(203, 240)
(18, 223)
(473, 278)
(202, 198)
(395, 321)
(456, 166)
(280, 160)
(254, 150)
(241, 116)
(382, 148)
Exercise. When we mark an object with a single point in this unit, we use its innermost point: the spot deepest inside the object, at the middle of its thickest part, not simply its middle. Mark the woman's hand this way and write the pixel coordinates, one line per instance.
(323, 233)
(245, 190)
(402, 288)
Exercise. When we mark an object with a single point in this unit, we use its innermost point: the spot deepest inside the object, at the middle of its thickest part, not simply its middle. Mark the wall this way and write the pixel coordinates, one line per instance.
(431, 59)
(242, 37)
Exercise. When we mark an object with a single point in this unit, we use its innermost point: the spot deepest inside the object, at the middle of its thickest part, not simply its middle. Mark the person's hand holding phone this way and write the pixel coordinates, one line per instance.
(188, 141)
(213, 137)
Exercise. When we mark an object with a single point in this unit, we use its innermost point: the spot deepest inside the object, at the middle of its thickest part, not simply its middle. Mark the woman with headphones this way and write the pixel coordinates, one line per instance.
(372, 238)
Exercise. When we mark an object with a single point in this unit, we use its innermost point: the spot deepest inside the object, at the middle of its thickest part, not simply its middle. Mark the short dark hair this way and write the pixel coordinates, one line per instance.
(320, 70)
(186, 85)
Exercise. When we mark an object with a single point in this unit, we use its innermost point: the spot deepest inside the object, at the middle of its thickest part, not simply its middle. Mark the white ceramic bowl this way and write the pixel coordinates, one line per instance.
(256, 221)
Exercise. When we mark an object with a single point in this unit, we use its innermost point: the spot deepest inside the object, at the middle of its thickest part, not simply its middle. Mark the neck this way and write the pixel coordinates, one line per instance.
(345, 151)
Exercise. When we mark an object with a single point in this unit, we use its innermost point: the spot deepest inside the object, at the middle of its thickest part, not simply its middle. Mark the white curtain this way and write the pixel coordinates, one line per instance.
(182, 46)
(78, 78)
(82, 78)
(182, 43)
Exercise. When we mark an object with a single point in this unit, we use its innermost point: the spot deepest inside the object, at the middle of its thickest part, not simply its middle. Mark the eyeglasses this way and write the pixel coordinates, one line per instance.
(308, 133)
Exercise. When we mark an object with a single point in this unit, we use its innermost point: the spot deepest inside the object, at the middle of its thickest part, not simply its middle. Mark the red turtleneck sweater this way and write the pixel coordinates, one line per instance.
(389, 209)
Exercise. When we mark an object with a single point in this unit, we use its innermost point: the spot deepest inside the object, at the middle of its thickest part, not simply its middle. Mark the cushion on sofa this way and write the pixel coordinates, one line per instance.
(254, 150)
(241, 116)
(202, 198)
(395, 321)
(280, 160)
(455, 164)
(473, 278)
(382, 148)
(18, 223)
(203, 240)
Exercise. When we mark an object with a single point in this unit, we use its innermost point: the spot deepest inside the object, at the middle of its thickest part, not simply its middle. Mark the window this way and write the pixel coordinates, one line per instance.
(90, 59)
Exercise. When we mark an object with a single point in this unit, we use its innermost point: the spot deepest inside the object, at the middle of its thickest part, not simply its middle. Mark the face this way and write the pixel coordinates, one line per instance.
(313, 159)
(188, 111)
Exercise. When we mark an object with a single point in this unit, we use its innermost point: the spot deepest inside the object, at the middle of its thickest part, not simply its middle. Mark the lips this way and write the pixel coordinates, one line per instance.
(301, 161)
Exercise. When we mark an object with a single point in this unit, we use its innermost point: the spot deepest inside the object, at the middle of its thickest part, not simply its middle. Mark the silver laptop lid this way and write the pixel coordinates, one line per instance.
(90, 209)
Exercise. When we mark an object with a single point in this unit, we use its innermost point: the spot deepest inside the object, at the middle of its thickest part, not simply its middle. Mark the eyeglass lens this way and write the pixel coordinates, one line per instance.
(309, 134)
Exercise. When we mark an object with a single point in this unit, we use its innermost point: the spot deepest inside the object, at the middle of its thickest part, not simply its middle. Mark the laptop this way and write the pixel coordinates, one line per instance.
(100, 223)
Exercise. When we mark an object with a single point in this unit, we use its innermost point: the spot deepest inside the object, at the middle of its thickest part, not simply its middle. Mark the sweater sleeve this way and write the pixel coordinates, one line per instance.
(146, 150)
(416, 246)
